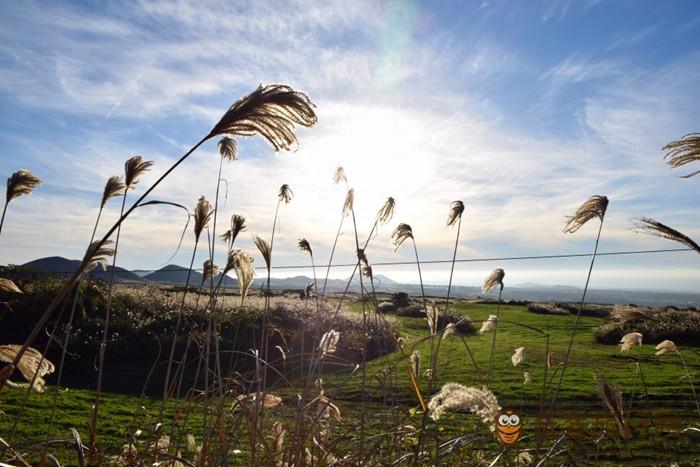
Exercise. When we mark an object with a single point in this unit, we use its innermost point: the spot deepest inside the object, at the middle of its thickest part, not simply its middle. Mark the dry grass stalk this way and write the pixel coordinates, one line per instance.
(285, 194)
(367, 271)
(349, 202)
(270, 111)
(305, 246)
(242, 263)
(114, 187)
(21, 183)
(237, 226)
(450, 329)
(210, 270)
(595, 206)
(264, 249)
(133, 169)
(657, 229)
(386, 212)
(32, 363)
(431, 317)
(202, 215)
(329, 342)
(493, 280)
(6, 285)
(683, 151)
(612, 398)
(339, 175)
(401, 233)
(96, 255)
(456, 210)
(228, 148)
(453, 396)
(415, 362)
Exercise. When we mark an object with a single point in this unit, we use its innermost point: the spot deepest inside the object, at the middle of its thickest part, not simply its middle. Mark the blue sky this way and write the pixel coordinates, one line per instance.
(520, 109)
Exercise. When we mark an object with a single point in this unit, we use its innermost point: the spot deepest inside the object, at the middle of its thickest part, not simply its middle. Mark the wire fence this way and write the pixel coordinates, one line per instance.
(434, 261)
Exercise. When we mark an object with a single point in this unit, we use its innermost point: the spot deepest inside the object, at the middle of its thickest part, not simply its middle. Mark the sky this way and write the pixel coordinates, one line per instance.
(522, 110)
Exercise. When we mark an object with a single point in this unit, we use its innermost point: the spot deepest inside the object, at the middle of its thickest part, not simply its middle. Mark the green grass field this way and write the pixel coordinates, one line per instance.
(655, 388)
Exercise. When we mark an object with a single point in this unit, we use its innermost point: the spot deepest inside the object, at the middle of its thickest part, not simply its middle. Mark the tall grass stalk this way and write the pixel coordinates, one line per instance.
(133, 169)
(594, 207)
(270, 111)
(114, 187)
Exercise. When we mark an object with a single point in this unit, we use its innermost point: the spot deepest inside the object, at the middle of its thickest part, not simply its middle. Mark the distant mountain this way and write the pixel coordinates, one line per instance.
(174, 274)
(177, 275)
(65, 267)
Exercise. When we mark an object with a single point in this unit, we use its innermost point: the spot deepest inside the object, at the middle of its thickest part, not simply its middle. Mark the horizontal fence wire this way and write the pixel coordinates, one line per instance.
(434, 261)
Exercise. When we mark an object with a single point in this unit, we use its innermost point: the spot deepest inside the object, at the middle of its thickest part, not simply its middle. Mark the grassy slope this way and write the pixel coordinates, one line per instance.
(669, 407)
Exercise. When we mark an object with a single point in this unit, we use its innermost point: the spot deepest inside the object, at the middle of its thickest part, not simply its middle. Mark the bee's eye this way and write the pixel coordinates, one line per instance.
(514, 420)
(503, 420)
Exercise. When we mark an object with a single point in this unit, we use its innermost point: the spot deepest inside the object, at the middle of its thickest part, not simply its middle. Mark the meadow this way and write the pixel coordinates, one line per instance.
(202, 375)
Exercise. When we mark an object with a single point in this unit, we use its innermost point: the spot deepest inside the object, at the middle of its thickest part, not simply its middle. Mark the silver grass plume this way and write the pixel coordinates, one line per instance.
(285, 194)
(305, 246)
(456, 210)
(210, 270)
(6, 285)
(242, 263)
(612, 398)
(385, 214)
(339, 175)
(683, 151)
(21, 183)
(32, 363)
(202, 215)
(401, 233)
(349, 202)
(264, 249)
(228, 148)
(114, 187)
(453, 396)
(493, 280)
(237, 226)
(653, 227)
(431, 316)
(329, 342)
(415, 362)
(133, 169)
(594, 207)
(367, 271)
(96, 255)
(270, 111)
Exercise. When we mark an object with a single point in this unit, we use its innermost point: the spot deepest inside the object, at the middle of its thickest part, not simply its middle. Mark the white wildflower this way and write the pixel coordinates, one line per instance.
(527, 379)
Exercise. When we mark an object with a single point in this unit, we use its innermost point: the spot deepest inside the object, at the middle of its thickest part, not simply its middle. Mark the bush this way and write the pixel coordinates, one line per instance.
(682, 327)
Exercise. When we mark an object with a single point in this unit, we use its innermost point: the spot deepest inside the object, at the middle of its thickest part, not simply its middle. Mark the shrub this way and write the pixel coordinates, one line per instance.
(682, 327)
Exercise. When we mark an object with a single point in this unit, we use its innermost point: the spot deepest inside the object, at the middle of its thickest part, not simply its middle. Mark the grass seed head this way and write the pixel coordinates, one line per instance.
(652, 227)
(270, 111)
(133, 169)
(683, 151)
(595, 206)
(114, 187)
(455, 214)
(21, 183)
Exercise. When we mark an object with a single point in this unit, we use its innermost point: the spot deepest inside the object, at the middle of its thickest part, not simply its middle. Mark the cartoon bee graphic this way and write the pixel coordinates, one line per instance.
(508, 427)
